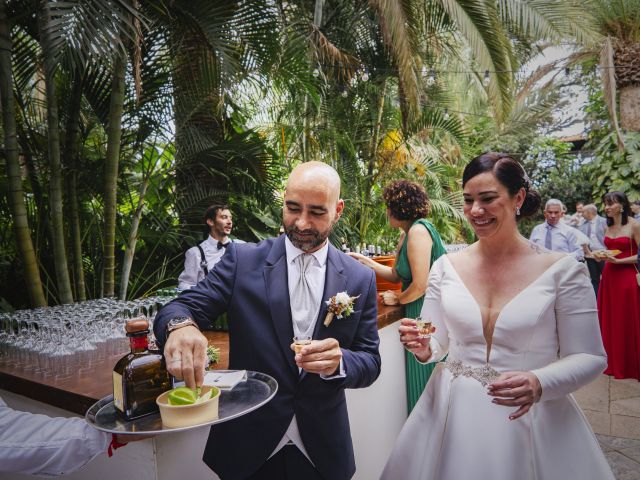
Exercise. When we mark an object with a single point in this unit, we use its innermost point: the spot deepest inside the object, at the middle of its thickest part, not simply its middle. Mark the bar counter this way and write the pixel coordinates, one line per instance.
(89, 380)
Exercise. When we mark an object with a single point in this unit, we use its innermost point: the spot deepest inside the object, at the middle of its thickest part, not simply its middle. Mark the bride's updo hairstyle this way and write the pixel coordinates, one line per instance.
(509, 173)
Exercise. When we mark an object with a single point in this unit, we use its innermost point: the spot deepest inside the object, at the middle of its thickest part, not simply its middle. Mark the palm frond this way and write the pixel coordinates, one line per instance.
(489, 42)
(393, 23)
(551, 20)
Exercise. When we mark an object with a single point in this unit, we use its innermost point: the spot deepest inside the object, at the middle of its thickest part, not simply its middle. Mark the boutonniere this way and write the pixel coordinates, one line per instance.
(340, 305)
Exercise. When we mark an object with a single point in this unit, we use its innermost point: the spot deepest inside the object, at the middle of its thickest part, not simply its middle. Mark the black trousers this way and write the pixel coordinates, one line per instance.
(595, 270)
(289, 463)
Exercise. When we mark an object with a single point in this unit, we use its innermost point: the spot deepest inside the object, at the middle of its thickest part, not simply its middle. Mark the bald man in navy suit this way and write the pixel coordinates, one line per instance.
(304, 431)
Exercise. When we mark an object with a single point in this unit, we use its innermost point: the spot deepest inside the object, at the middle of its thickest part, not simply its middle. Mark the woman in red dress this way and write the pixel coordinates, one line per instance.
(619, 293)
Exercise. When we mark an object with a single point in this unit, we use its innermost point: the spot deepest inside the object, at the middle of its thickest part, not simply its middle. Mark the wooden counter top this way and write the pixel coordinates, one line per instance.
(76, 383)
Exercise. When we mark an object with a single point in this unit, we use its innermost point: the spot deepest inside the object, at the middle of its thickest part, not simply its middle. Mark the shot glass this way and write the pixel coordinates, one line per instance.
(300, 341)
(424, 327)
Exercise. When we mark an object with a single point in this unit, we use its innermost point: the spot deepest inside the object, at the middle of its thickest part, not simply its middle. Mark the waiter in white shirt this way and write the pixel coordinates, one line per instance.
(35, 444)
(593, 227)
(555, 235)
(201, 258)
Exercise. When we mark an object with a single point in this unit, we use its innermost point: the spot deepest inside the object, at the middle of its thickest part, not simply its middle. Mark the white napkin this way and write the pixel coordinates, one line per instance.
(225, 380)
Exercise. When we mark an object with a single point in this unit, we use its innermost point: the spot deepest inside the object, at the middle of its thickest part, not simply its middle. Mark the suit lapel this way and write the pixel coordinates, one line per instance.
(335, 281)
(277, 288)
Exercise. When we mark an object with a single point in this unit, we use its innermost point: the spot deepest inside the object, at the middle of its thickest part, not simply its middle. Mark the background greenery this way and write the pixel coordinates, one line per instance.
(124, 119)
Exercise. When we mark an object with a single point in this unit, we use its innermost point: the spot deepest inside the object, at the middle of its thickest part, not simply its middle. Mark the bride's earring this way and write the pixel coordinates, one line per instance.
(517, 211)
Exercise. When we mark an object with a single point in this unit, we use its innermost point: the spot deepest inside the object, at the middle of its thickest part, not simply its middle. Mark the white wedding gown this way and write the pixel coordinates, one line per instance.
(456, 433)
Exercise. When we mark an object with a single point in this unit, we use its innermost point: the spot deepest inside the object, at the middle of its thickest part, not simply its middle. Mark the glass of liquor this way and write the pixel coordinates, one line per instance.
(424, 327)
(300, 341)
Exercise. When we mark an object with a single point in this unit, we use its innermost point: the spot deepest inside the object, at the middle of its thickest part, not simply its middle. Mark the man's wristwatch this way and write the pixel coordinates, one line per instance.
(179, 322)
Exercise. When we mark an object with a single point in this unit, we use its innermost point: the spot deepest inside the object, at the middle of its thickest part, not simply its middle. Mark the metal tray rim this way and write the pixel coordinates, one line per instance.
(94, 410)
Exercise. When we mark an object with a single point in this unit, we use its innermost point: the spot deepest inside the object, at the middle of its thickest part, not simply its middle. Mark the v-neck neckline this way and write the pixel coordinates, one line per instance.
(488, 345)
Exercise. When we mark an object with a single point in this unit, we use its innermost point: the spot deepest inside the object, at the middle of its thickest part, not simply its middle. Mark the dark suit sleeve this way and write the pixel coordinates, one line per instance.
(362, 359)
(204, 302)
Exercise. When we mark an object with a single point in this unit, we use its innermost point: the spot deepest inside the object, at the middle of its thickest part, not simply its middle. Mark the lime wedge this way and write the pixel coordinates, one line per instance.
(205, 396)
(182, 396)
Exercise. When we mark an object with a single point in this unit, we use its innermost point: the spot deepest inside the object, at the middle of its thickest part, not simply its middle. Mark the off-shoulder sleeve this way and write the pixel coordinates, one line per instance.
(432, 308)
(581, 353)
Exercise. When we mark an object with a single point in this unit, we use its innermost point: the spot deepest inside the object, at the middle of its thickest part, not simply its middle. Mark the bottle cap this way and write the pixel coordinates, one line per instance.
(137, 325)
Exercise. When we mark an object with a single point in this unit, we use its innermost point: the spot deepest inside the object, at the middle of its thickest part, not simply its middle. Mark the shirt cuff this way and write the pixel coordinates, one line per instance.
(341, 373)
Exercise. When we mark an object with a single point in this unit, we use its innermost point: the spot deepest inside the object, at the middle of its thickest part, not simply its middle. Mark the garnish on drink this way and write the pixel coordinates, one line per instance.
(187, 396)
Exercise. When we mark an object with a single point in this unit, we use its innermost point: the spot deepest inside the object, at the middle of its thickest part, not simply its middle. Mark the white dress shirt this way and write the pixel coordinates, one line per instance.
(316, 273)
(193, 272)
(594, 241)
(35, 444)
(563, 239)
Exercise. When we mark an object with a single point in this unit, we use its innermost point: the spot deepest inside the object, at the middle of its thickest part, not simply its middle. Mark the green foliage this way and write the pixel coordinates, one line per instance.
(235, 93)
(616, 170)
(611, 169)
(555, 172)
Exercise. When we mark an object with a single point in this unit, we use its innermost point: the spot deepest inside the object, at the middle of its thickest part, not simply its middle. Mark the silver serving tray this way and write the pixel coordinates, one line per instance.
(245, 397)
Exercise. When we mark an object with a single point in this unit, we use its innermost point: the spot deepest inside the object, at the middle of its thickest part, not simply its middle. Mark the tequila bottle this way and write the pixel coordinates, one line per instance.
(140, 376)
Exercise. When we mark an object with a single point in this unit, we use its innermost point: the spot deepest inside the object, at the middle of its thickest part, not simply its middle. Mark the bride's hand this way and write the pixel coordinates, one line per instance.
(516, 389)
(409, 338)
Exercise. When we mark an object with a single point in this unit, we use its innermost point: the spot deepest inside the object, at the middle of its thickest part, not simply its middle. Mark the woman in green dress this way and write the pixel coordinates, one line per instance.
(420, 245)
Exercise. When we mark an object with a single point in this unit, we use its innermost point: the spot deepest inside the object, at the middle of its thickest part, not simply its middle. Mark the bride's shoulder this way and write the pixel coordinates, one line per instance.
(459, 256)
(544, 257)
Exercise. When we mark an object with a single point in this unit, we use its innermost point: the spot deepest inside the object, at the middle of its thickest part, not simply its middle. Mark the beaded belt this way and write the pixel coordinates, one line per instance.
(485, 374)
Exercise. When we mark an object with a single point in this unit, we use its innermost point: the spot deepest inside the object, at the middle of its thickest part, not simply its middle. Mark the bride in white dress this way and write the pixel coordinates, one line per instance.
(520, 327)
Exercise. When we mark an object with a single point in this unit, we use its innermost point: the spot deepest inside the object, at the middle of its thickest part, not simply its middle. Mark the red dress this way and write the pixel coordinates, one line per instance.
(619, 311)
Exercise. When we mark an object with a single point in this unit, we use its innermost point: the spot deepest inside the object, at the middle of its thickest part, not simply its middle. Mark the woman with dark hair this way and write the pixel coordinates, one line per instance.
(519, 326)
(420, 245)
(619, 293)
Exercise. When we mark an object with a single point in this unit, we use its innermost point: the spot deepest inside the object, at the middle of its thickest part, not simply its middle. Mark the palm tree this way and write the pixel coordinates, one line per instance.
(213, 47)
(619, 22)
(16, 196)
(417, 32)
(53, 134)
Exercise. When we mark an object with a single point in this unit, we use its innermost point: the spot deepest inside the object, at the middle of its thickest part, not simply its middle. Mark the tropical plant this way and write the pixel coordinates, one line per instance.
(612, 168)
(14, 181)
(619, 22)
(164, 107)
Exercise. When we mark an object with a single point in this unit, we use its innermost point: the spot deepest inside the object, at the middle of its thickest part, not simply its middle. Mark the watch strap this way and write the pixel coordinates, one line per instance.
(180, 322)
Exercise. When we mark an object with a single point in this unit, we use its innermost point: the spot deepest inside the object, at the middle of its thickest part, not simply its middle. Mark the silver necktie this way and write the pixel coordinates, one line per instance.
(547, 239)
(302, 304)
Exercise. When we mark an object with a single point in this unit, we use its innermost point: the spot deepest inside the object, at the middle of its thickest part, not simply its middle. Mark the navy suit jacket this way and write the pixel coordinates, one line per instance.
(250, 284)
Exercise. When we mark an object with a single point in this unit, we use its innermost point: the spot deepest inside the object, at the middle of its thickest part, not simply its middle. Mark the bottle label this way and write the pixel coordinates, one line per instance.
(137, 343)
(117, 391)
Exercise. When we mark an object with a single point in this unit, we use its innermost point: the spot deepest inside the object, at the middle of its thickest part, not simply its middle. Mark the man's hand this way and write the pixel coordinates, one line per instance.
(516, 389)
(321, 357)
(185, 353)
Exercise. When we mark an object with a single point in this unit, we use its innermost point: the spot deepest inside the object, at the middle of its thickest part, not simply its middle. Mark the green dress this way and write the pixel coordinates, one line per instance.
(417, 374)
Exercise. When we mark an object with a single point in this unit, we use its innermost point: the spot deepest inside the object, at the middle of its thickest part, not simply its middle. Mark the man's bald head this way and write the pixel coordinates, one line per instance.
(312, 205)
(315, 175)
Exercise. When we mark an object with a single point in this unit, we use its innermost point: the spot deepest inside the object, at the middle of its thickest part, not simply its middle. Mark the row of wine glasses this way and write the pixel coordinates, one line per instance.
(64, 330)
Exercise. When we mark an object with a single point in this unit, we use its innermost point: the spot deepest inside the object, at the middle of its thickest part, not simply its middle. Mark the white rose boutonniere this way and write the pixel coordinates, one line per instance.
(340, 305)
